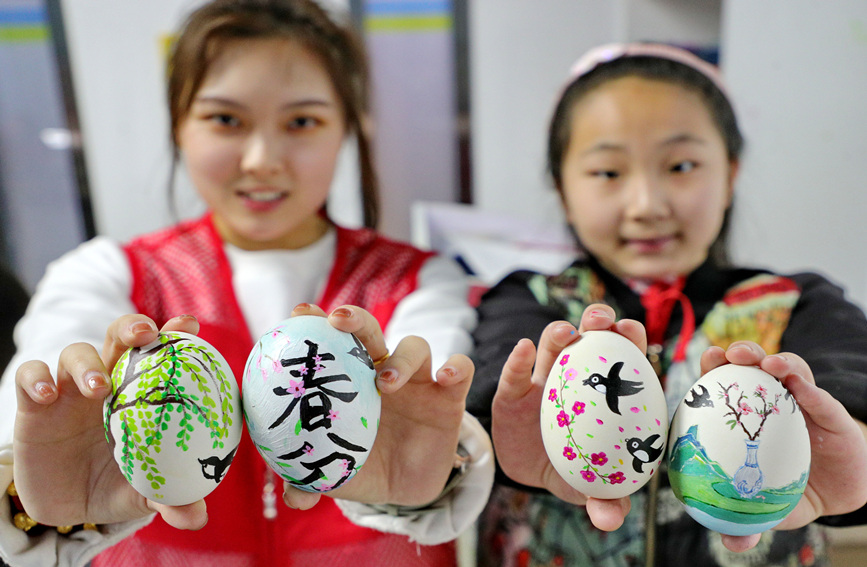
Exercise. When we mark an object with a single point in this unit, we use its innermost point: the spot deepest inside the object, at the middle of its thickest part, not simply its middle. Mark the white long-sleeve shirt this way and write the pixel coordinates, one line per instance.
(88, 288)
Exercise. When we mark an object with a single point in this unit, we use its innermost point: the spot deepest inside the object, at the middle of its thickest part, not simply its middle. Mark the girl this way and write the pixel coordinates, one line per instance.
(644, 150)
(262, 94)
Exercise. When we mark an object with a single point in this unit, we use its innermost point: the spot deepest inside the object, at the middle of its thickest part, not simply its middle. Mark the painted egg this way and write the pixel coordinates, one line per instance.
(311, 403)
(604, 419)
(739, 451)
(173, 419)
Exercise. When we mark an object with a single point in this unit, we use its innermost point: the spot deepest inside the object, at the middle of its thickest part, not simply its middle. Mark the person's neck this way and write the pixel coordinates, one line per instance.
(301, 237)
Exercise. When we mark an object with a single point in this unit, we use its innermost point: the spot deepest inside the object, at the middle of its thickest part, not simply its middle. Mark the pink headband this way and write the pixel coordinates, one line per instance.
(605, 53)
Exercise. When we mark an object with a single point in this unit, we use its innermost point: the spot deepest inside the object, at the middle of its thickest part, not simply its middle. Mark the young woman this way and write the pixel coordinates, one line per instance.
(262, 95)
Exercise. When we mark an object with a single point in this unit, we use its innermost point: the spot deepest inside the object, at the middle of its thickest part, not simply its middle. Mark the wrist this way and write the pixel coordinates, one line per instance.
(22, 521)
(459, 470)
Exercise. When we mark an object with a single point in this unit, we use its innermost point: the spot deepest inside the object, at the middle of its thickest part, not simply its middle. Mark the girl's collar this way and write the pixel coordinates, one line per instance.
(706, 284)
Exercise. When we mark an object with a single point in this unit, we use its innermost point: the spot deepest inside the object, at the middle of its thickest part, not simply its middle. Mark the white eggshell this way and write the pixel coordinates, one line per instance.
(174, 418)
(604, 419)
(311, 403)
(739, 451)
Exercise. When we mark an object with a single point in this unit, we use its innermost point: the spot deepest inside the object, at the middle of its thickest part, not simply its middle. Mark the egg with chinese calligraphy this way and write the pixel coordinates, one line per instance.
(604, 419)
(739, 451)
(311, 403)
(173, 419)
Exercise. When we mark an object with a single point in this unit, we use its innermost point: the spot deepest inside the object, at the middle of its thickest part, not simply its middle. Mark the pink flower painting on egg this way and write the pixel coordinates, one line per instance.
(590, 410)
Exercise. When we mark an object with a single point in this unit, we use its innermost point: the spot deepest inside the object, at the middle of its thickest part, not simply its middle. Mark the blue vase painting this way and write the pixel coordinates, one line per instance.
(739, 451)
(748, 478)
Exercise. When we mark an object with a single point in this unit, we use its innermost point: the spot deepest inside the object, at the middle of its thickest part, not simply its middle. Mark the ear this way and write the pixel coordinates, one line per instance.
(734, 170)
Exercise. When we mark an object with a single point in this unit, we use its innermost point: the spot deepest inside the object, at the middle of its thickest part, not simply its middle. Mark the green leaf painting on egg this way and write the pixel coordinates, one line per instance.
(174, 383)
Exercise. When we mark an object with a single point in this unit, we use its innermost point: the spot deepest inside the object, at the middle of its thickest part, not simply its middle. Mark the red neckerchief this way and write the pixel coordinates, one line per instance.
(658, 300)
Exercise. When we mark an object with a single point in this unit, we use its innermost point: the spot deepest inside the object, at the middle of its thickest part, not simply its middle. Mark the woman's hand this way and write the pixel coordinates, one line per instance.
(416, 443)
(838, 463)
(63, 468)
(515, 428)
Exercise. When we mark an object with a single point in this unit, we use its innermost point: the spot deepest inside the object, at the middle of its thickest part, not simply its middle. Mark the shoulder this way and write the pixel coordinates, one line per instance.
(200, 227)
(514, 281)
(365, 239)
(821, 291)
(99, 257)
(512, 294)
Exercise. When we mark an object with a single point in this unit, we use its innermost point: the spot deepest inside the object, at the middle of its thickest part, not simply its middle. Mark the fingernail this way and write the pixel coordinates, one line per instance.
(186, 317)
(97, 381)
(343, 312)
(302, 307)
(741, 347)
(566, 326)
(142, 327)
(44, 389)
(389, 376)
(447, 371)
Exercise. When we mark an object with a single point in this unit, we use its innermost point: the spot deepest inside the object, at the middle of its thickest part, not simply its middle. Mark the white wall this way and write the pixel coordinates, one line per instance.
(799, 76)
(117, 57)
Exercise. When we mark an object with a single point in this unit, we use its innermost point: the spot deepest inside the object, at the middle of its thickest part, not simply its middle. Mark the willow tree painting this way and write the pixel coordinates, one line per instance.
(176, 396)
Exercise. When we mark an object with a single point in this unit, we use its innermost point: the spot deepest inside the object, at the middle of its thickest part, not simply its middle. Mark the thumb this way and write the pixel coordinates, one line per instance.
(188, 517)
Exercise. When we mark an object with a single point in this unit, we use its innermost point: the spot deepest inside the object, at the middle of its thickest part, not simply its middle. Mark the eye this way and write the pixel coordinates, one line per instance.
(303, 123)
(684, 166)
(225, 120)
(605, 174)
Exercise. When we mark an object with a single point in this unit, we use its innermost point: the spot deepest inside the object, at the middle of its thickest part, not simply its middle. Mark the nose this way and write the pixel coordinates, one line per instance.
(262, 155)
(646, 198)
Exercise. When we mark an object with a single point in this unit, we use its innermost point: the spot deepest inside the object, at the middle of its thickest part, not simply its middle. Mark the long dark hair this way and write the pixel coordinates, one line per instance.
(208, 28)
(655, 68)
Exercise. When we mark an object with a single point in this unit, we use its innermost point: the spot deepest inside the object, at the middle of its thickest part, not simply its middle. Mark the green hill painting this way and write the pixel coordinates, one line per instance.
(710, 497)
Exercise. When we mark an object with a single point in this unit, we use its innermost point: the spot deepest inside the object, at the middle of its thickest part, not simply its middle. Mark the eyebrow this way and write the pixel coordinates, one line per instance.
(289, 105)
(684, 138)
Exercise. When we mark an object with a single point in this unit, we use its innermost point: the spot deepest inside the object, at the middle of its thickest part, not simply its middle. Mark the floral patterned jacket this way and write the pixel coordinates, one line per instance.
(803, 313)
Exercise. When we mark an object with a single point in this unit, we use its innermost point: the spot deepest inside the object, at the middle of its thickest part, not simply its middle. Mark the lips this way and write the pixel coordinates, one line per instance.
(262, 199)
(649, 245)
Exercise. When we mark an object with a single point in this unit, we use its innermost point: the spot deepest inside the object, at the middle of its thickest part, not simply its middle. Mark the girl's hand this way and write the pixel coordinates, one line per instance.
(515, 427)
(63, 468)
(838, 467)
(416, 444)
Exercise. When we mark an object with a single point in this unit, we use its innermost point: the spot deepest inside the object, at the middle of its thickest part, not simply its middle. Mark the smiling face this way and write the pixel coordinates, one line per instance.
(646, 179)
(260, 143)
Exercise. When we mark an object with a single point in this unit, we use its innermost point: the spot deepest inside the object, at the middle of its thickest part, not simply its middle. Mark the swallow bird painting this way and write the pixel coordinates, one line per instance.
(643, 452)
(613, 386)
(700, 398)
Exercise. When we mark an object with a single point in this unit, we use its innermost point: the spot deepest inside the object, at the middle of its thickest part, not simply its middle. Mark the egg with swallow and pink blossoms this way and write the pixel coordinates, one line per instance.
(604, 418)
(311, 403)
(173, 419)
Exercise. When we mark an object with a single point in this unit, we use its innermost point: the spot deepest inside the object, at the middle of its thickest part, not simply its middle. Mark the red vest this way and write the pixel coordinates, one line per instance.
(184, 270)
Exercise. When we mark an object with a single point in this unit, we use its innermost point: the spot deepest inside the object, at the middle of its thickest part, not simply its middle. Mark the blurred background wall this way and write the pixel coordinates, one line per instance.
(462, 94)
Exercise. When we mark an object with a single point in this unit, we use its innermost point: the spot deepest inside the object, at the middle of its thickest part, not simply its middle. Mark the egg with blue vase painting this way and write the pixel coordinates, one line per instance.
(311, 403)
(739, 452)
(173, 419)
(604, 419)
